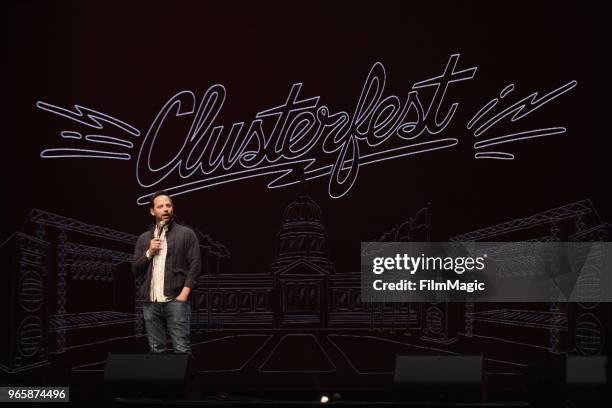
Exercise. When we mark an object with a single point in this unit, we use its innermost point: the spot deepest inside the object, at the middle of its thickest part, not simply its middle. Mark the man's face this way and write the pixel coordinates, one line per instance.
(162, 208)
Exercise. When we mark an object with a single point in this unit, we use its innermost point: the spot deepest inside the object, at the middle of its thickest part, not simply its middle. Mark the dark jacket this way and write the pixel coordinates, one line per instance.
(183, 260)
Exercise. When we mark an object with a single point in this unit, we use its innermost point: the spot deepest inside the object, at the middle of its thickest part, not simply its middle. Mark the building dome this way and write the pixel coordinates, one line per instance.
(302, 210)
(302, 234)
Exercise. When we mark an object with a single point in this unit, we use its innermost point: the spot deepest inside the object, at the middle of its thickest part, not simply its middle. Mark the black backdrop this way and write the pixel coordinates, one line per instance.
(126, 59)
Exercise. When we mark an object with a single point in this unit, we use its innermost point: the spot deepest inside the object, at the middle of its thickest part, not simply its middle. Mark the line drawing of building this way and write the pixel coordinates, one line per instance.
(302, 288)
(300, 302)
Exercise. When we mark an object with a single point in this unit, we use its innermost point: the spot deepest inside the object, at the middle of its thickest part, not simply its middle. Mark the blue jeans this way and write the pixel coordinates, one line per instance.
(174, 316)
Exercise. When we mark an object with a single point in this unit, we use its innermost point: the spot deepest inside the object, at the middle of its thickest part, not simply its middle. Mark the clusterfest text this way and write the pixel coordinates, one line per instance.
(300, 133)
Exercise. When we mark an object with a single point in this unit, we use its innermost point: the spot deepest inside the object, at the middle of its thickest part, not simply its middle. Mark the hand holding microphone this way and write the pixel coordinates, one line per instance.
(155, 244)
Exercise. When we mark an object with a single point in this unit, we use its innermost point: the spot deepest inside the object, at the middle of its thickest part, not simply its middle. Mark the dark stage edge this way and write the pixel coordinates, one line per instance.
(279, 399)
(245, 402)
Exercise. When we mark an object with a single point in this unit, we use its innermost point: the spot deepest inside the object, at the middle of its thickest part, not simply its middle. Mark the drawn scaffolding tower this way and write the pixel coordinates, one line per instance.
(95, 258)
(578, 221)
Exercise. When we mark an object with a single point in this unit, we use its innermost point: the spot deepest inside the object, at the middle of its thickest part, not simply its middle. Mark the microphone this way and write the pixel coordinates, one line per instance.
(161, 228)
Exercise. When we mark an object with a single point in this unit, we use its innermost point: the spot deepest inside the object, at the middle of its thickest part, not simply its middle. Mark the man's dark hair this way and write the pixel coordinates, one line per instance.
(157, 194)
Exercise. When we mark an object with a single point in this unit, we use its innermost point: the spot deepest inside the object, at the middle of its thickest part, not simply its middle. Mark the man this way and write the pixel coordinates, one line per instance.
(169, 255)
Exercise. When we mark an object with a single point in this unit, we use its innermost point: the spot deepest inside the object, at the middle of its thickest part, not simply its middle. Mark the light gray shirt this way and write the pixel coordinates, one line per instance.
(156, 293)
